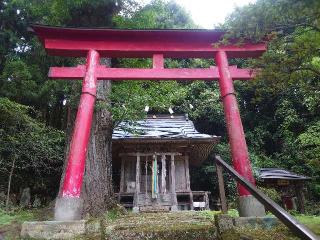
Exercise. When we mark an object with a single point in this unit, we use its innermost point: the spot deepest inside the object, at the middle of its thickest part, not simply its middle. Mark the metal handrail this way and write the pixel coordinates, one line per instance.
(295, 226)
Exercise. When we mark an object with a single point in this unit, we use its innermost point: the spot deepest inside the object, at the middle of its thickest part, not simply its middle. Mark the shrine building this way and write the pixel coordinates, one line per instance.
(151, 160)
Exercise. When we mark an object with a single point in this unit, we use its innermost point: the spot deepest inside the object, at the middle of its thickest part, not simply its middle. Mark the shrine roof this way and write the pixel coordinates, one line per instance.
(168, 130)
(279, 173)
(176, 43)
(165, 127)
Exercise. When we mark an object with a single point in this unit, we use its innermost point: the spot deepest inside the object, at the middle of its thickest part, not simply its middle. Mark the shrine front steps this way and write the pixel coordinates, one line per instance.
(154, 209)
(172, 225)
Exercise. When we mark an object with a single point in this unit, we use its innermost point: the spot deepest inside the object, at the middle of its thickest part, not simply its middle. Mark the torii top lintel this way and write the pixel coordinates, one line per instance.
(177, 43)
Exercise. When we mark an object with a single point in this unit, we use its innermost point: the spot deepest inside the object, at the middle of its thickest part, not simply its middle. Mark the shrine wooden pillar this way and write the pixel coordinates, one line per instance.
(174, 206)
(137, 189)
(187, 174)
(163, 174)
(300, 197)
(122, 175)
(223, 199)
(248, 205)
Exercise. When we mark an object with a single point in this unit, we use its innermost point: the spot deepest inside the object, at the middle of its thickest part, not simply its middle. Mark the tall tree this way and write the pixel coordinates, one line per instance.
(97, 189)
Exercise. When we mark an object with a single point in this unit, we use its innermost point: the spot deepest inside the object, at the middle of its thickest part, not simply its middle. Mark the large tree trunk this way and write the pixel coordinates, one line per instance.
(97, 188)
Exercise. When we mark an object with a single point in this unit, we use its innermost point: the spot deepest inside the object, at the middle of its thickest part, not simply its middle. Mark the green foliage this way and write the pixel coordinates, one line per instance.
(113, 215)
(268, 18)
(33, 147)
(271, 193)
(309, 150)
(17, 82)
(205, 99)
(157, 14)
(309, 143)
(129, 98)
(18, 216)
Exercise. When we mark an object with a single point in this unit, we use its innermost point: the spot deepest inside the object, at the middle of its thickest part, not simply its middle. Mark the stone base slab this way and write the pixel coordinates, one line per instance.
(225, 223)
(86, 229)
(60, 229)
(266, 222)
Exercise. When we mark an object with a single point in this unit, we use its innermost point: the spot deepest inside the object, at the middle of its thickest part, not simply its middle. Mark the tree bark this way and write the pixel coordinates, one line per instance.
(97, 190)
(9, 182)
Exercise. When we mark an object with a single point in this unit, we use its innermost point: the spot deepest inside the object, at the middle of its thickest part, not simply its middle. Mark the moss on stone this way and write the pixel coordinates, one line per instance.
(179, 225)
(277, 233)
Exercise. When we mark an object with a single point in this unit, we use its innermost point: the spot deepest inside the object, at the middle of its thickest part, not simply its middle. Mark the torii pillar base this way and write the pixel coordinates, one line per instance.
(249, 206)
(68, 209)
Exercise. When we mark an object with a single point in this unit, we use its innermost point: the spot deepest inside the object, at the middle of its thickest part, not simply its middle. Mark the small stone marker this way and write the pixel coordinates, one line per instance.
(25, 198)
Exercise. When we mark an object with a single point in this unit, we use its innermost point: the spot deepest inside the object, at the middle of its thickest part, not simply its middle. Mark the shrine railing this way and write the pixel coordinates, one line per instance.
(295, 226)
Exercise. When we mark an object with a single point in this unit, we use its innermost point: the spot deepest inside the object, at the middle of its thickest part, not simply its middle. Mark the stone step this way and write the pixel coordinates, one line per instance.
(145, 226)
(161, 226)
(154, 209)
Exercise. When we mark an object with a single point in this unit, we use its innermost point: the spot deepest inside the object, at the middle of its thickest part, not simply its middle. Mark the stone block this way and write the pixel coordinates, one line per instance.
(60, 229)
(263, 222)
(223, 223)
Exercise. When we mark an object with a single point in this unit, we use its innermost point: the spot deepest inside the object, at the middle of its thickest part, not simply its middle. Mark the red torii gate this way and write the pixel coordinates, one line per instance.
(157, 44)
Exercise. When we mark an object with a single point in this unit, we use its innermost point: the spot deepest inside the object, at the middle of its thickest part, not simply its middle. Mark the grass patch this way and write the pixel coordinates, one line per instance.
(277, 233)
(312, 222)
(18, 216)
(210, 214)
(10, 222)
(113, 215)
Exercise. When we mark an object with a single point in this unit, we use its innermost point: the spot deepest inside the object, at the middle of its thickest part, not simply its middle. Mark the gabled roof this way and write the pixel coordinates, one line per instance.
(161, 127)
(175, 130)
(279, 173)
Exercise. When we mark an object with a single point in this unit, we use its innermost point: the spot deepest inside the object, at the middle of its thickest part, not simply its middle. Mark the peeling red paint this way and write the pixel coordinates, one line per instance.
(78, 147)
(239, 150)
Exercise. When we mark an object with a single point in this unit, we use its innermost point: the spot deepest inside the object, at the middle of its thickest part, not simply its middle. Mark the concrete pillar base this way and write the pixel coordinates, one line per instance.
(68, 209)
(135, 209)
(174, 208)
(249, 206)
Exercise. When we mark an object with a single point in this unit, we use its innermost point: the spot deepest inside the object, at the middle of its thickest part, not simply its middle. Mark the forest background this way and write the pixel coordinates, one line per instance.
(280, 109)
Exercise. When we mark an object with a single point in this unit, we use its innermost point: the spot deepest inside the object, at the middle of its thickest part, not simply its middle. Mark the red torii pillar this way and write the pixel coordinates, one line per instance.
(239, 149)
(143, 43)
(81, 133)
(248, 205)
(71, 189)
